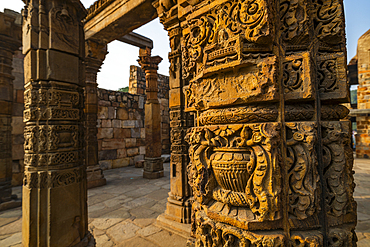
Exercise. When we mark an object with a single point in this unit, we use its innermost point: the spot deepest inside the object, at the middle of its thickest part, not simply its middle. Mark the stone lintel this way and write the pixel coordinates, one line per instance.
(118, 18)
(137, 40)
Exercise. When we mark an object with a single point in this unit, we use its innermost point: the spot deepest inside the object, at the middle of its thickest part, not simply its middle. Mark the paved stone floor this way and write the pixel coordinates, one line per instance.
(123, 212)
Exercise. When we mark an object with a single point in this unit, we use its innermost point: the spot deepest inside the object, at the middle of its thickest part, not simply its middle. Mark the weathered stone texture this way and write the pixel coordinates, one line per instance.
(269, 161)
(54, 197)
(138, 86)
(119, 133)
(10, 41)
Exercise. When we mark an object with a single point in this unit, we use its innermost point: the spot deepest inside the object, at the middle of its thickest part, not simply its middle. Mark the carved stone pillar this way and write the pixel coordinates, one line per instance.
(270, 156)
(178, 206)
(54, 187)
(153, 165)
(9, 42)
(95, 55)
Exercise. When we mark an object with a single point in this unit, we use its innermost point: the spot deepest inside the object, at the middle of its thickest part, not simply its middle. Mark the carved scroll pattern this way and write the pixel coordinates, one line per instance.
(53, 179)
(304, 187)
(297, 76)
(338, 165)
(209, 234)
(328, 15)
(219, 33)
(295, 21)
(262, 190)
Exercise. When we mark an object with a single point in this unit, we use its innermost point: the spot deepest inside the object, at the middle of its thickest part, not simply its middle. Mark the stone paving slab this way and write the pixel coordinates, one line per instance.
(124, 212)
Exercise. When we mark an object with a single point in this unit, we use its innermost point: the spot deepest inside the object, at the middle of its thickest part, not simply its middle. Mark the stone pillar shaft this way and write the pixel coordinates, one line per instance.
(270, 162)
(8, 44)
(153, 165)
(54, 185)
(95, 55)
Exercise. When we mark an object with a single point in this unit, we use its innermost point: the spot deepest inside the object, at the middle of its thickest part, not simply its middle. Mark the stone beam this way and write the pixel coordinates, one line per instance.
(137, 40)
(117, 18)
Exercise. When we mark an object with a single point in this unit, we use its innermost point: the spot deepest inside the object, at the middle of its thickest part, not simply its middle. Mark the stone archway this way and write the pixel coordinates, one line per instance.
(269, 161)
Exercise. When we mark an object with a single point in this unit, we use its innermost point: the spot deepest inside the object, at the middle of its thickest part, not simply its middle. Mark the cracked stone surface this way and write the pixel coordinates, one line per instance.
(124, 212)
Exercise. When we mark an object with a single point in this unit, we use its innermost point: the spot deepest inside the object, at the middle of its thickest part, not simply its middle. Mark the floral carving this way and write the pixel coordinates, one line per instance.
(303, 176)
(338, 164)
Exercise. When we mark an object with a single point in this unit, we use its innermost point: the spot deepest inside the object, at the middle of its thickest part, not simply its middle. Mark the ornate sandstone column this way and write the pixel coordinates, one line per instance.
(95, 55)
(54, 186)
(153, 165)
(9, 42)
(178, 206)
(270, 156)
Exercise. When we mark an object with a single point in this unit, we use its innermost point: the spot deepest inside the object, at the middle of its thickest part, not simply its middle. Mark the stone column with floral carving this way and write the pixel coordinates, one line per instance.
(54, 187)
(95, 55)
(10, 41)
(270, 157)
(153, 165)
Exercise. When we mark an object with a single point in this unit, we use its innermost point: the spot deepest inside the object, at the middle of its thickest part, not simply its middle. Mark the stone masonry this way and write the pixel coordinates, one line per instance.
(137, 86)
(121, 133)
(363, 97)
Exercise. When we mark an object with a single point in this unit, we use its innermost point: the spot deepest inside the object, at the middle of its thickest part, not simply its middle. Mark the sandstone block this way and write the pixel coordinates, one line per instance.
(106, 123)
(142, 150)
(128, 124)
(111, 112)
(121, 153)
(17, 126)
(107, 154)
(105, 133)
(113, 144)
(118, 163)
(132, 152)
(18, 152)
(121, 133)
(102, 112)
(116, 123)
(105, 164)
(130, 142)
(136, 132)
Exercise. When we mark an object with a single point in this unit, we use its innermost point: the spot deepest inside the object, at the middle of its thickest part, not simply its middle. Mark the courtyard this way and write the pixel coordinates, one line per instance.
(124, 212)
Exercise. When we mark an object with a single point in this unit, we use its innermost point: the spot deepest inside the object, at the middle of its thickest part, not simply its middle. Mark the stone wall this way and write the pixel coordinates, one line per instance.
(121, 133)
(137, 85)
(363, 97)
(17, 119)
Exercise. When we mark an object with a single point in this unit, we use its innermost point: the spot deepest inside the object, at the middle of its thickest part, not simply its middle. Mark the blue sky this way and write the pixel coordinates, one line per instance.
(115, 70)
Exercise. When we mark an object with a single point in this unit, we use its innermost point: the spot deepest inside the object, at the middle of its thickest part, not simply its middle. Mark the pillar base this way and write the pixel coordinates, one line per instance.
(178, 211)
(87, 241)
(95, 177)
(178, 228)
(13, 203)
(153, 175)
(153, 168)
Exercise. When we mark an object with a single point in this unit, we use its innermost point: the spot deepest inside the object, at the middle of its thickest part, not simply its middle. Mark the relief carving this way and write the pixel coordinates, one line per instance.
(338, 165)
(222, 35)
(250, 84)
(304, 186)
(295, 23)
(237, 165)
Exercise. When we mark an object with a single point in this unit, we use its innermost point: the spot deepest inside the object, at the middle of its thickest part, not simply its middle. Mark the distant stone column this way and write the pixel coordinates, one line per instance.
(54, 186)
(8, 44)
(95, 55)
(153, 166)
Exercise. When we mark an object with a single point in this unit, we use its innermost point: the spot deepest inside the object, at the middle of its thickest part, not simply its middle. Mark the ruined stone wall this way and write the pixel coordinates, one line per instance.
(121, 133)
(17, 119)
(363, 97)
(137, 86)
